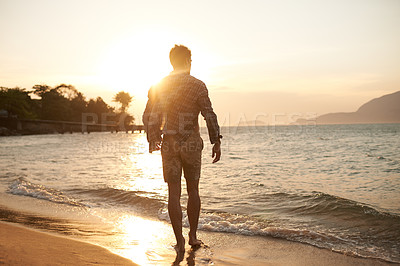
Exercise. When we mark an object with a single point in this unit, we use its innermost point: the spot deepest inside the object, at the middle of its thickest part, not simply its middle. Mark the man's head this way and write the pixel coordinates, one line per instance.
(180, 57)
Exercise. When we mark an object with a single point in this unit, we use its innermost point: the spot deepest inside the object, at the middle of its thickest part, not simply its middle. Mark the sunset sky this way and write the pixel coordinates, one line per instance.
(258, 58)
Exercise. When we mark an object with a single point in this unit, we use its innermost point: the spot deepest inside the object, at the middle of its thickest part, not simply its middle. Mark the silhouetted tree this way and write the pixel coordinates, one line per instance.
(62, 103)
(68, 91)
(124, 99)
(78, 106)
(39, 90)
(55, 106)
(99, 107)
(16, 101)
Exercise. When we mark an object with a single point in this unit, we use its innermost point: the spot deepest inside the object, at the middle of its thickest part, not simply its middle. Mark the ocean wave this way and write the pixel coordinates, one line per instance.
(288, 216)
(318, 204)
(147, 202)
(362, 230)
(361, 246)
(23, 187)
(246, 225)
(318, 219)
(350, 210)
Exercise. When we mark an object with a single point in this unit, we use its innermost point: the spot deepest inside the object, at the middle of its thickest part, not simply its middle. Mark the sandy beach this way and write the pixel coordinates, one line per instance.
(23, 246)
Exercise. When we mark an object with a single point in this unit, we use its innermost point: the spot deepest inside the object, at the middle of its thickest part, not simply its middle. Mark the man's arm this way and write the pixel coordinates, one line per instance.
(151, 123)
(216, 151)
(212, 123)
(146, 115)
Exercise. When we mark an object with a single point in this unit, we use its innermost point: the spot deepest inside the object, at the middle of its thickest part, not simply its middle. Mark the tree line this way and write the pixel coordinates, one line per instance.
(63, 103)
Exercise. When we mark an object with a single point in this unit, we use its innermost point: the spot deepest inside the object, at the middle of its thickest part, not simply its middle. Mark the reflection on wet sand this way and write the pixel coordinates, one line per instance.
(52, 224)
(151, 242)
(143, 241)
(139, 239)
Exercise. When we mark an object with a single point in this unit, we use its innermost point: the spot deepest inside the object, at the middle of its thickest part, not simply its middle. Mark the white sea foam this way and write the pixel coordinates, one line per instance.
(23, 187)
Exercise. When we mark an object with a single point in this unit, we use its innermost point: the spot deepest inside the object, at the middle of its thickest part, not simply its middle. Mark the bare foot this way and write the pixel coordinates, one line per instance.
(194, 242)
(180, 246)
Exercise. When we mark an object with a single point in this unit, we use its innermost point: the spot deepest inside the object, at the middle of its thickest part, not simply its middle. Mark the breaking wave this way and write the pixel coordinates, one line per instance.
(23, 187)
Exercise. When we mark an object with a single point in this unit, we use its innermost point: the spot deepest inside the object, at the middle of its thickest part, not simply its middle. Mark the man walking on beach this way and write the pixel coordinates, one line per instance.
(171, 123)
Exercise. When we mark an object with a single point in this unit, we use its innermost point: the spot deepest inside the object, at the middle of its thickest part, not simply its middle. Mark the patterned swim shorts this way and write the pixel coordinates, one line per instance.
(177, 156)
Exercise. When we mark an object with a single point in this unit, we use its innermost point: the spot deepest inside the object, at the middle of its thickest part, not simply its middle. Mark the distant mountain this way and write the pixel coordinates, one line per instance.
(385, 109)
(252, 123)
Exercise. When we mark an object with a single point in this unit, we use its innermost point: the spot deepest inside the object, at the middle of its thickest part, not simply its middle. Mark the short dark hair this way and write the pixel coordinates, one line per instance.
(178, 56)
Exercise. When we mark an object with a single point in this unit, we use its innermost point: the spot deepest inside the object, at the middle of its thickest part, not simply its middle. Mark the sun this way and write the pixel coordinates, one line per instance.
(134, 64)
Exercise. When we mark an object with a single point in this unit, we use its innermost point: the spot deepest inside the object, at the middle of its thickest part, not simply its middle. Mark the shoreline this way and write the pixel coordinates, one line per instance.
(8, 132)
(21, 245)
(29, 228)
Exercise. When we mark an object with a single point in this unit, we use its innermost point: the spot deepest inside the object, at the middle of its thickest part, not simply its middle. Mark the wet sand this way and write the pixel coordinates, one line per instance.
(233, 249)
(22, 246)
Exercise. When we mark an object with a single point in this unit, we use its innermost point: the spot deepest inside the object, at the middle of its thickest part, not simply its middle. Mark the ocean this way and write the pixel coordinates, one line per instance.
(332, 186)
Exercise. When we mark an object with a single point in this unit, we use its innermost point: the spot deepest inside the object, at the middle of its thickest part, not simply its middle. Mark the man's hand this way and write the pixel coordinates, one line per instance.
(216, 152)
(154, 146)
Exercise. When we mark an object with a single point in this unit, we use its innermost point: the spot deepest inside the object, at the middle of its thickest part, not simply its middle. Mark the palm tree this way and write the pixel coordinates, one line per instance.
(124, 99)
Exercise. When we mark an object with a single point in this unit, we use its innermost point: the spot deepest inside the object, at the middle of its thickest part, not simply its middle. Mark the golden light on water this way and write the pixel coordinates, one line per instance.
(144, 169)
(142, 241)
(151, 178)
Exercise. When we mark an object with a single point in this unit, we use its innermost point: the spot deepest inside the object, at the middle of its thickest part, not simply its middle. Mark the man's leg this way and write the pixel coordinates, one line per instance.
(172, 170)
(175, 213)
(193, 210)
